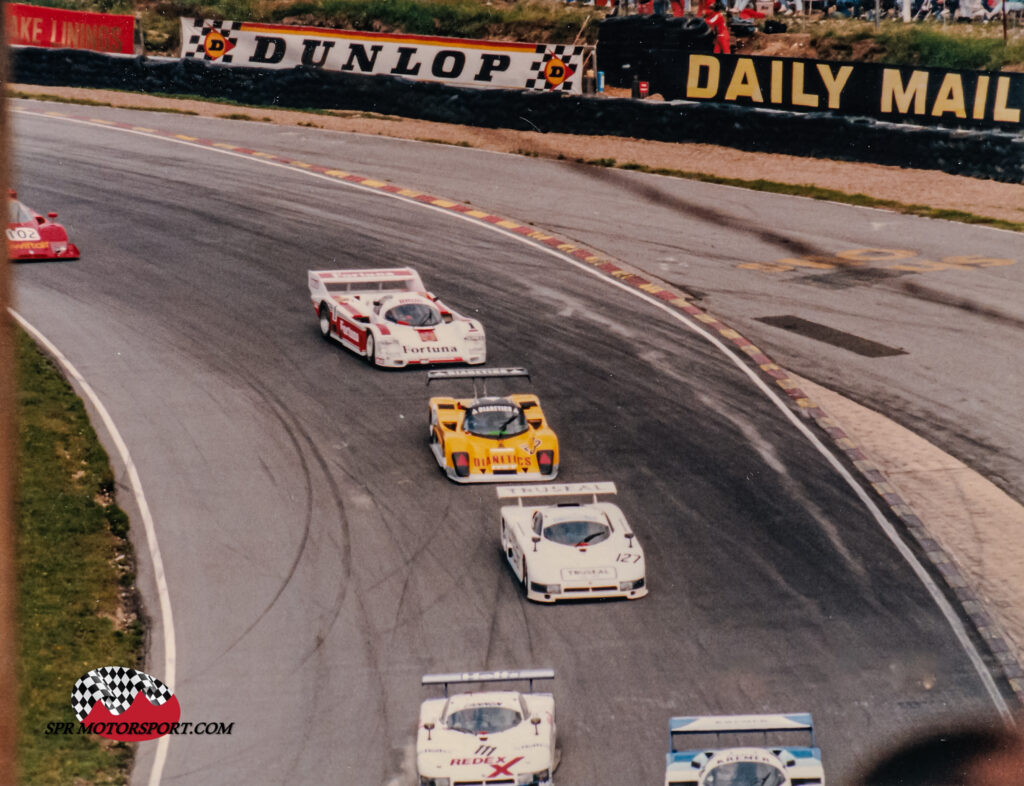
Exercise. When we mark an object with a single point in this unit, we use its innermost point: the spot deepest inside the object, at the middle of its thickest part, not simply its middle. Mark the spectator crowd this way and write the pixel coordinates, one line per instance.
(944, 10)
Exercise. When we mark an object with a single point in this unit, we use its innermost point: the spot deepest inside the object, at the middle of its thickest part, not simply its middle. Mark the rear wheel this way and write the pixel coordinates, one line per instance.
(325, 320)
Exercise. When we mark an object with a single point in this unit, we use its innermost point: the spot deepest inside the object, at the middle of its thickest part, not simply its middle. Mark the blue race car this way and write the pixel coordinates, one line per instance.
(743, 750)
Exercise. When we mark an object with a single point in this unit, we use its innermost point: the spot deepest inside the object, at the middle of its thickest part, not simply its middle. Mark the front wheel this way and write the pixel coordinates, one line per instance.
(370, 349)
(325, 320)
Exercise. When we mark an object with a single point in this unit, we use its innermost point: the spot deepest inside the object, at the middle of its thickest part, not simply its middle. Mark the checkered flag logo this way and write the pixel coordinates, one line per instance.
(213, 41)
(116, 687)
(555, 68)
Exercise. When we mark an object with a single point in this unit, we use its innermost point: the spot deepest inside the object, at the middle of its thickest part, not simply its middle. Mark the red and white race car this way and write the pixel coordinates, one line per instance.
(388, 317)
(486, 737)
(33, 236)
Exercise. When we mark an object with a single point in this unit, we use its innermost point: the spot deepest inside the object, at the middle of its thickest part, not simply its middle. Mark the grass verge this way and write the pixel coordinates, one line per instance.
(970, 47)
(90, 102)
(929, 43)
(76, 607)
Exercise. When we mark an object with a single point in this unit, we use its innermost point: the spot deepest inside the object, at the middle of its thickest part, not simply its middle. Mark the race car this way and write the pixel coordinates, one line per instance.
(762, 750)
(487, 737)
(571, 550)
(33, 236)
(490, 439)
(388, 317)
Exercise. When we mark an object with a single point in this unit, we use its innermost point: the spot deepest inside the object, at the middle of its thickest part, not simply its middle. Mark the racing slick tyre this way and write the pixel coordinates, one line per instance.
(370, 349)
(324, 313)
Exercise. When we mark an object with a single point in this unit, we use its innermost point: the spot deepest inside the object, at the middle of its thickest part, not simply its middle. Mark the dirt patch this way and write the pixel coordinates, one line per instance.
(778, 45)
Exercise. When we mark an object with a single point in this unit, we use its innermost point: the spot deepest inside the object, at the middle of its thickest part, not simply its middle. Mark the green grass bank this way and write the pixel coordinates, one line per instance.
(930, 43)
(76, 607)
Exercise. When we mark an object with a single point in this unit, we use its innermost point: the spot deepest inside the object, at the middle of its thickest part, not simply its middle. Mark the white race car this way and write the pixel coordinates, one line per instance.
(490, 737)
(779, 751)
(388, 317)
(571, 550)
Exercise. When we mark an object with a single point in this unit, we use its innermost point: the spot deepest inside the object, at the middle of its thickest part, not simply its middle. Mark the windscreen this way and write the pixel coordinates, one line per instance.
(745, 773)
(413, 314)
(490, 720)
(577, 533)
(495, 420)
(17, 213)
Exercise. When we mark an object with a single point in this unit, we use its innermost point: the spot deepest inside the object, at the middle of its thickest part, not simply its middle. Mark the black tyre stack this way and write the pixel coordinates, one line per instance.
(650, 48)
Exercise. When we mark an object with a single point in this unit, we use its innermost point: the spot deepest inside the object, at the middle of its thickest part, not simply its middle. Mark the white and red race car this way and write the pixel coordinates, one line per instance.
(487, 737)
(31, 235)
(387, 316)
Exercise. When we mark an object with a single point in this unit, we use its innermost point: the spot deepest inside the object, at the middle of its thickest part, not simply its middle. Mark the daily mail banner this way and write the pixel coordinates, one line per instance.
(460, 61)
(30, 25)
(896, 93)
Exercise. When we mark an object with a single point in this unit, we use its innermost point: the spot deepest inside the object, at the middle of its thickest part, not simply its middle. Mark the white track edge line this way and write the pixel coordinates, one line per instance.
(940, 600)
(167, 620)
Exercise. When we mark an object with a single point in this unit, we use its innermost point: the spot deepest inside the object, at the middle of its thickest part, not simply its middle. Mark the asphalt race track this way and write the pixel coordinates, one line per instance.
(319, 564)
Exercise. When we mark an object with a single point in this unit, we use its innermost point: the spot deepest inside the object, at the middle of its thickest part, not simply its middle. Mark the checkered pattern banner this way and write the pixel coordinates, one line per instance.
(456, 61)
(557, 69)
(116, 687)
(212, 33)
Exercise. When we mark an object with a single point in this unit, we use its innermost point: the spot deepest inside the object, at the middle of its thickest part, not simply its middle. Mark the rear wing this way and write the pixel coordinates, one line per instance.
(738, 725)
(476, 374)
(462, 678)
(555, 490)
(397, 279)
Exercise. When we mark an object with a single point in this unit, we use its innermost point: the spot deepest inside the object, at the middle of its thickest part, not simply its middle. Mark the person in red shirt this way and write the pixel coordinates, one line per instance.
(714, 14)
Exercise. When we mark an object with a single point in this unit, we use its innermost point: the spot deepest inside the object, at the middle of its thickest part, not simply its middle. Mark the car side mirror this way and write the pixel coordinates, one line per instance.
(536, 724)
(52, 215)
(629, 537)
(536, 540)
(429, 727)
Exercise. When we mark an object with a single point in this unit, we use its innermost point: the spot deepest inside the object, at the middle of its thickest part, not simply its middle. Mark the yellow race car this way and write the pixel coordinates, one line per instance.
(491, 439)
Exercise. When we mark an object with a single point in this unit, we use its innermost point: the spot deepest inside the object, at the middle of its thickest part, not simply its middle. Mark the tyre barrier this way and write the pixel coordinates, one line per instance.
(629, 46)
(991, 154)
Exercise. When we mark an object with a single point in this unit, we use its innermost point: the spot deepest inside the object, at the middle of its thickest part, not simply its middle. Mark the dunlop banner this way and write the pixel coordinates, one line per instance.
(896, 93)
(31, 25)
(459, 61)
